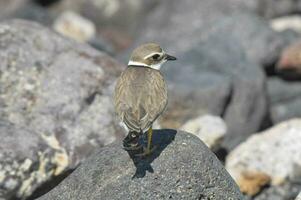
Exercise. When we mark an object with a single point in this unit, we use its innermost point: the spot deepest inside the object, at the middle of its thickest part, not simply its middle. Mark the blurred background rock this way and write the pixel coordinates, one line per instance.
(236, 85)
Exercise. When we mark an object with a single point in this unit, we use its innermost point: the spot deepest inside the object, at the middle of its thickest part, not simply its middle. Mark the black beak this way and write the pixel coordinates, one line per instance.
(169, 57)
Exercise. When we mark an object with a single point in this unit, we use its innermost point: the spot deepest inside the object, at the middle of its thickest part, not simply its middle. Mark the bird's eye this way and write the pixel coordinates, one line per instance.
(156, 56)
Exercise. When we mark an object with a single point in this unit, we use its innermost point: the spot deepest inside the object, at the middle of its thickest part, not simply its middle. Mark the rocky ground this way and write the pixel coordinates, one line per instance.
(236, 86)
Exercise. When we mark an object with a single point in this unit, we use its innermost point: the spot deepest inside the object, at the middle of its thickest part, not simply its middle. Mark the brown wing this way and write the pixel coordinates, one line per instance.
(140, 97)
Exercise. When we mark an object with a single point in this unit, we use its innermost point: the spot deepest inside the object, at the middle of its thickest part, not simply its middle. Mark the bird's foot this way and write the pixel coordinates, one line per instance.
(132, 147)
(146, 152)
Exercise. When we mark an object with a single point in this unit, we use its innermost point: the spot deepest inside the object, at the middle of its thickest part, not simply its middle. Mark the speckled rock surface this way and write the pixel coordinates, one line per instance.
(24, 161)
(182, 167)
(271, 157)
(58, 89)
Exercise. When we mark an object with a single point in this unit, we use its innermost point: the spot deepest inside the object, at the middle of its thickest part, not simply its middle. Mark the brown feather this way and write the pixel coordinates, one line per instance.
(140, 97)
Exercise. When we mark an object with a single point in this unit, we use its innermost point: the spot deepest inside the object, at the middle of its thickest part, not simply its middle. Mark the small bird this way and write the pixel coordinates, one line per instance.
(141, 94)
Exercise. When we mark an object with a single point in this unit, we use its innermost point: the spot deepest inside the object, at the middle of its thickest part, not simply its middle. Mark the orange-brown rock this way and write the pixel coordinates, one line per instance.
(251, 183)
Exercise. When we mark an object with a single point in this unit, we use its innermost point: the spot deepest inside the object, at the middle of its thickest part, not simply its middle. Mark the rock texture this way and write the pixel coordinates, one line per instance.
(182, 167)
(59, 90)
(26, 161)
(72, 25)
(256, 162)
(290, 62)
(7, 8)
(210, 129)
(291, 22)
(298, 197)
(287, 191)
(285, 99)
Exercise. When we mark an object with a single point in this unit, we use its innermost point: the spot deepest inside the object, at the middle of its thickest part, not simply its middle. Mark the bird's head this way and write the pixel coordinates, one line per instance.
(149, 55)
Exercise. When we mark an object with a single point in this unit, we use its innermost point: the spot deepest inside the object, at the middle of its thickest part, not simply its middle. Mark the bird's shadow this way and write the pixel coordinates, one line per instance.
(161, 139)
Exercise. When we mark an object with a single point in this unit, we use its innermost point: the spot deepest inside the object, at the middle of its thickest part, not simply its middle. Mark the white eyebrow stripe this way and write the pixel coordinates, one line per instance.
(150, 55)
(134, 63)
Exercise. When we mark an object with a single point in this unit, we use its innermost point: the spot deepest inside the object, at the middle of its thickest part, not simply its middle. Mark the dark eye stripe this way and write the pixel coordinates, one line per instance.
(156, 56)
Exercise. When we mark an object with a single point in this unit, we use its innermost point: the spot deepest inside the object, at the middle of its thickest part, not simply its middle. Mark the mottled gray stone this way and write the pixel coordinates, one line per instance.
(182, 167)
(285, 99)
(24, 160)
(60, 90)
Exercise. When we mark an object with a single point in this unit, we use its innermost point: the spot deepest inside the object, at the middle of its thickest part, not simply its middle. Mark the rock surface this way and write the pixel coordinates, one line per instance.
(287, 191)
(24, 159)
(289, 63)
(72, 25)
(182, 167)
(210, 129)
(285, 99)
(256, 162)
(292, 22)
(9, 7)
(298, 197)
(59, 90)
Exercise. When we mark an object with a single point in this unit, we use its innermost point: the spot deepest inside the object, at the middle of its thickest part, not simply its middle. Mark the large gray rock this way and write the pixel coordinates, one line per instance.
(285, 99)
(9, 7)
(182, 167)
(60, 90)
(299, 196)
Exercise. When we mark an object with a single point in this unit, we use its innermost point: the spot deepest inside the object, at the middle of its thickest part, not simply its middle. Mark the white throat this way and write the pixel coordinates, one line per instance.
(156, 66)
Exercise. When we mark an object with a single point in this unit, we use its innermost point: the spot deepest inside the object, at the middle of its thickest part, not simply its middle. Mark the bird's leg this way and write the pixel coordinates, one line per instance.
(148, 149)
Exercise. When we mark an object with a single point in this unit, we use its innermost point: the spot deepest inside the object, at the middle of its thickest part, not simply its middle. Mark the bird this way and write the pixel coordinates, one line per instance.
(140, 95)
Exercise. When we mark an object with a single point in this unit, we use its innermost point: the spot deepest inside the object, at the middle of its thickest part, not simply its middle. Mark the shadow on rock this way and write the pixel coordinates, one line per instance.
(161, 139)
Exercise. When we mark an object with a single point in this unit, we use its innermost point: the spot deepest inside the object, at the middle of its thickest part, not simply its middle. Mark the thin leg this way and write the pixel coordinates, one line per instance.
(148, 150)
(149, 139)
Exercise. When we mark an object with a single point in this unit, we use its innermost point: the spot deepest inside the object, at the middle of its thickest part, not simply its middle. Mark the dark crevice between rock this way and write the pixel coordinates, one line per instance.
(270, 70)
(49, 185)
(221, 154)
(46, 3)
(89, 100)
(228, 101)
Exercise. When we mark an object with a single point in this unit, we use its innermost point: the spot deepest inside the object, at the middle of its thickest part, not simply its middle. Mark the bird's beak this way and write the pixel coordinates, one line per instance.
(169, 57)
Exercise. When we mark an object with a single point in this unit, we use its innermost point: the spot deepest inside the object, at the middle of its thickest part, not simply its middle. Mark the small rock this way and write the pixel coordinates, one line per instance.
(292, 22)
(71, 24)
(271, 155)
(210, 129)
(181, 167)
(290, 61)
